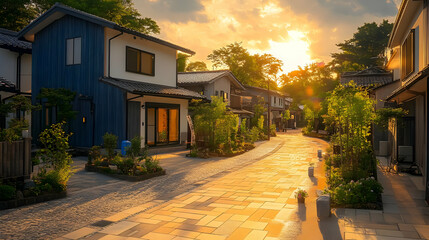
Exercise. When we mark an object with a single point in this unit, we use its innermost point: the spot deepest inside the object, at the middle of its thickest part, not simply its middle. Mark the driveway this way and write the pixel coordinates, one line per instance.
(93, 197)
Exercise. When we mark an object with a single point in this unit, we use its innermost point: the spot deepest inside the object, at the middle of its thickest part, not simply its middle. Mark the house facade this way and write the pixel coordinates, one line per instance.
(278, 103)
(125, 81)
(408, 59)
(15, 71)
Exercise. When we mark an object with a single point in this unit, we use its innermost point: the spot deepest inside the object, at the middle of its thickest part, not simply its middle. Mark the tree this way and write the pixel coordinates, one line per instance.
(121, 12)
(254, 70)
(196, 66)
(16, 14)
(367, 45)
(61, 99)
(182, 60)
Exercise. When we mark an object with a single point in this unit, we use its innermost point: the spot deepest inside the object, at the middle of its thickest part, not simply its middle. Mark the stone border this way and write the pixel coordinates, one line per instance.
(14, 203)
(92, 168)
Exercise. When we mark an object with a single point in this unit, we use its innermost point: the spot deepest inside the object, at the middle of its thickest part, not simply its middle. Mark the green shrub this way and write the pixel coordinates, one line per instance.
(125, 164)
(110, 141)
(94, 154)
(152, 165)
(253, 135)
(273, 130)
(135, 149)
(363, 191)
(7, 192)
(56, 179)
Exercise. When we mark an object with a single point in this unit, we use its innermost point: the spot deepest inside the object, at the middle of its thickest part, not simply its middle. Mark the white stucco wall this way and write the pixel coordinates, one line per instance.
(183, 113)
(8, 64)
(221, 84)
(165, 59)
(26, 73)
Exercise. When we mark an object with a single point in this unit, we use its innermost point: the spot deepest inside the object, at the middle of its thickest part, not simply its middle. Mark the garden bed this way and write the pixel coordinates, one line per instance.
(14, 203)
(110, 172)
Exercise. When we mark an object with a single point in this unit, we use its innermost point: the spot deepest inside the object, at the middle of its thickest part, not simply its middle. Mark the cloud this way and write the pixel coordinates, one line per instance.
(206, 25)
(172, 10)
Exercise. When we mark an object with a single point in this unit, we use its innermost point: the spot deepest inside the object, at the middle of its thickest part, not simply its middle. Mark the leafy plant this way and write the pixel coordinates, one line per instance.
(94, 154)
(61, 99)
(7, 192)
(383, 115)
(301, 193)
(110, 141)
(363, 191)
(152, 165)
(124, 164)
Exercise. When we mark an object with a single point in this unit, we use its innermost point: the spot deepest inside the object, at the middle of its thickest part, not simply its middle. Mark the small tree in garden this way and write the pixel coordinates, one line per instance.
(215, 124)
(258, 110)
(285, 118)
(61, 99)
(56, 168)
(384, 114)
(110, 141)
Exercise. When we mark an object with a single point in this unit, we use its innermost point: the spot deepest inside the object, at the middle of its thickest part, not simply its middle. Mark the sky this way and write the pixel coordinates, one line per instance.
(298, 32)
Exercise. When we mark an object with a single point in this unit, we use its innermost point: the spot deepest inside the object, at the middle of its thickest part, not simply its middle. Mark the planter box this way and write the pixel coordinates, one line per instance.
(102, 170)
(31, 200)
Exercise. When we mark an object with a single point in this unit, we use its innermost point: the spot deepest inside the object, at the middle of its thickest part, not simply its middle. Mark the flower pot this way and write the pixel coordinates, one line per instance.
(301, 200)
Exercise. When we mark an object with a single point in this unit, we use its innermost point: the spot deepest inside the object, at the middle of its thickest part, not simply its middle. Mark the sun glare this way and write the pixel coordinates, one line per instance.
(294, 52)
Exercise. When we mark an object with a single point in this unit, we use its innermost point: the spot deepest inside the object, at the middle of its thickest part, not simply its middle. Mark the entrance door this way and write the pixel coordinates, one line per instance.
(162, 124)
(134, 120)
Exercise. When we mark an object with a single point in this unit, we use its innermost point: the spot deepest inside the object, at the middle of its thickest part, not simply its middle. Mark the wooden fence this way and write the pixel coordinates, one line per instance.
(15, 159)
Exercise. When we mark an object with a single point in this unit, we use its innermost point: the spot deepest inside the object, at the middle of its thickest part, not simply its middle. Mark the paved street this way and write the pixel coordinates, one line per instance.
(93, 197)
(251, 202)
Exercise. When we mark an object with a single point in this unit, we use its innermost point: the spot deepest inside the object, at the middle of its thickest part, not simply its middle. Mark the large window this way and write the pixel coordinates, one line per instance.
(74, 51)
(407, 55)
(139, 61)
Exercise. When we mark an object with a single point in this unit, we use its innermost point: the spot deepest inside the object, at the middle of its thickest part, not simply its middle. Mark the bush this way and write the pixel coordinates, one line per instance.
(94, 154)
(110, 141)
(7, 192)
(363, 191)
(253, 135)
(273, 130)
(125, 165)
(152, 165)
(56, 179)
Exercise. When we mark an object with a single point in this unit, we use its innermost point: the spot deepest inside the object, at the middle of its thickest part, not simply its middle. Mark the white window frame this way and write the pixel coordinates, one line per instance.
(73, 51)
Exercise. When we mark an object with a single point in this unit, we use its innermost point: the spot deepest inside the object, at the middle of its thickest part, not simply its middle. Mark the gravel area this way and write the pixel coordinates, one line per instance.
(93, 197)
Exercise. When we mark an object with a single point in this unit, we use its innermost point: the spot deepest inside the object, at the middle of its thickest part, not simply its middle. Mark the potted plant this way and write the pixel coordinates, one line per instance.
(301, 194)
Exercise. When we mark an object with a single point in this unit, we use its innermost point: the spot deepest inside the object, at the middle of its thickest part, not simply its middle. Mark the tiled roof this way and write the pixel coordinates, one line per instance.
(203, 77)
(151, 89)
(8, 39)
(200, 77)
(58, 7)
(7, 86)
(409, 83)
(373, 76)
(259, 89)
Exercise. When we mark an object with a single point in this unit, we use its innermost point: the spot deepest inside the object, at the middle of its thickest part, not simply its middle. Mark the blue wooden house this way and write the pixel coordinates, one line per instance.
(126, 81)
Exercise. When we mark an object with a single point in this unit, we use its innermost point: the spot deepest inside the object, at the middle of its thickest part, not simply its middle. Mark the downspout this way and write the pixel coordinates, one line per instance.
(110, 39)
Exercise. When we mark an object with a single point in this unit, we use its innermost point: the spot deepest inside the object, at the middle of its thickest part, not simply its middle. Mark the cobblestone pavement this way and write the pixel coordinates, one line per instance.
(251, 202)
(93, 197)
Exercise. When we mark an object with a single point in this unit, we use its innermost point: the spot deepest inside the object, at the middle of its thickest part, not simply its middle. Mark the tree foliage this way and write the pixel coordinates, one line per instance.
(182, 60)
(15, 15)
(254, 70)
(367, 45)
(60, 98)
(196, 66)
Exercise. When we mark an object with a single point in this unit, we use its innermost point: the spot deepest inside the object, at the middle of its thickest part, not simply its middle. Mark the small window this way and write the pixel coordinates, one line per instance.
(74, 51)
(138, 61)
(275, 100)
(226, 96)
(407, 55)
(222, 94)
(216, 93)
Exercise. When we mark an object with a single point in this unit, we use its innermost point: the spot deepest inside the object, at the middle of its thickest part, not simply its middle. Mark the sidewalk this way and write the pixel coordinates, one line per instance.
(405, 214)
(254, 202)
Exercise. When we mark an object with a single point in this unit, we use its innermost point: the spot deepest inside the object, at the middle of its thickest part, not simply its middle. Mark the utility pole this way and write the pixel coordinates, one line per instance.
(269, 111)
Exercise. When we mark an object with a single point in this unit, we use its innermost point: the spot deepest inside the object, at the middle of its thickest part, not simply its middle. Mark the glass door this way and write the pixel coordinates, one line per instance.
(173, 125)
(150, 126)
(162, 124)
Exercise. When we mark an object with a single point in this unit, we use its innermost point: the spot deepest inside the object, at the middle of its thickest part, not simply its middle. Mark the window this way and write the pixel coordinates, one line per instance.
(226, 96)
(74, 51)
(407, 55)
(216, 93)
(222, 94)
(274, 100)
(138, 61)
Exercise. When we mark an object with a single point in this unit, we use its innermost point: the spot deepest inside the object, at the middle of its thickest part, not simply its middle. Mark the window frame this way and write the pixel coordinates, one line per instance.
(74, 62)
(140, 51)
(404, 55)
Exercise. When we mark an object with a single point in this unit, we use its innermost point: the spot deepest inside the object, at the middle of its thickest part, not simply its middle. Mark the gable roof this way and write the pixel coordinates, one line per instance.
(206, 77)
(259, 89)
(151, 89)
(9, 40)
(59, 10)
(372, 76)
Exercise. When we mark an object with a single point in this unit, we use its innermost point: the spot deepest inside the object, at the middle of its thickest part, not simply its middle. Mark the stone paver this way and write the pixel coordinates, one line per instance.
(253, 202)
(93, 197)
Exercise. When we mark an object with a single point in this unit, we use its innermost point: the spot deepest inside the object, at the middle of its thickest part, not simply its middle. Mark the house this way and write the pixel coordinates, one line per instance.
(408, 59)
(220, 83)
(370, 77)
(15, 71)
(278, 103)
(125, 81)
